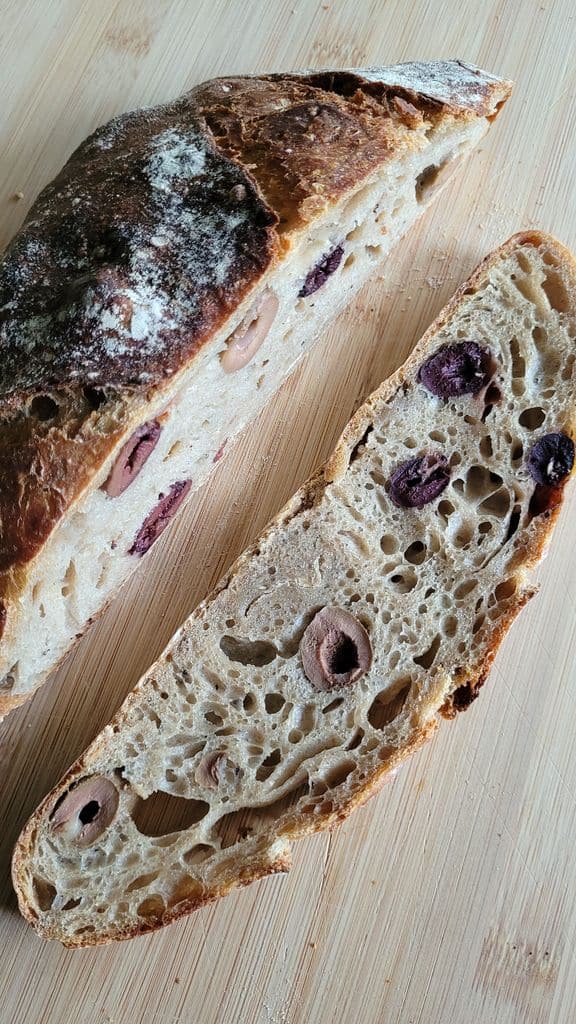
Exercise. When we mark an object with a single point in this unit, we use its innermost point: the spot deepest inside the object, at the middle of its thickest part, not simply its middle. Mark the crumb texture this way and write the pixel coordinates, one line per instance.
(333, 645)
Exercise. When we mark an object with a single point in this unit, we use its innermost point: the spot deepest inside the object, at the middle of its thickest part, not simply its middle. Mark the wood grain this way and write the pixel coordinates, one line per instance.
(449, 899)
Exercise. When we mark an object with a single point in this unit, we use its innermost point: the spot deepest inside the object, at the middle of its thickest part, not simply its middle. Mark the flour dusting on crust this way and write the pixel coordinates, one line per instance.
(154, 232)
(136, 252)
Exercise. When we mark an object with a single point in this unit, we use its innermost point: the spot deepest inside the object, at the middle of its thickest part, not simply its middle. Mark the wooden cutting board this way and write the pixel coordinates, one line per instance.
(450, 898)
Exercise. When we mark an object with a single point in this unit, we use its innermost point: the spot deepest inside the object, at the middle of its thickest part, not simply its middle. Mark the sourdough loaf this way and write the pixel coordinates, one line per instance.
(372, 605)
(184, 260)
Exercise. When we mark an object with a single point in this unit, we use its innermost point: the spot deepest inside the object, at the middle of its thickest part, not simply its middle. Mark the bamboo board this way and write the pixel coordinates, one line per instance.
(450, 898)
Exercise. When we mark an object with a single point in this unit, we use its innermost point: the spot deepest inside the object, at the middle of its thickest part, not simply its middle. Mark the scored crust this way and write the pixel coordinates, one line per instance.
(513, 270)
(122, 272)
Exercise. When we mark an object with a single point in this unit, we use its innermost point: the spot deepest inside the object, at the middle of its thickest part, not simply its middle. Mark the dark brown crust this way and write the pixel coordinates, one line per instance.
(86, 262)
(44, 465)
(195, 172)
(87, 299)
(471, 676)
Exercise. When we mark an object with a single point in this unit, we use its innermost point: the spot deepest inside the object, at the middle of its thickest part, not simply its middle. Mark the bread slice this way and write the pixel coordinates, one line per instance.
(374, 603)
(162, 289)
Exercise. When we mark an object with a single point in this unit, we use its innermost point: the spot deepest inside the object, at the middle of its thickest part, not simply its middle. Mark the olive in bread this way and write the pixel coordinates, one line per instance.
(163, 287)
(373, 605)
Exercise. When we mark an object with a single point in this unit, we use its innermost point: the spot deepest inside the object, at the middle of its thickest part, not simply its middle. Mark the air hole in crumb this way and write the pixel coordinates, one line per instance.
(268, 765)
(356, 740)
(518, 361)
(478, 623)
(72, 904)
(445, 508)
(491, 397)
(517, 451)
(427, 658)
(336, 775)
(387, 705)
(463, 535)
(152, 908)
(248, 652)
(425, 181)
(416, 552)
(514, 522)
(556, 291)
(465, 588)
(197, 854)
(173, 450)
(238, 825)
(486, 449)
(438, 435)
(214, 718)
(69, 579)
(333, 705)
(505, 589)
(497, 504)
(273, 702)
(162, 813)
(404, 582)
(250, 704)
(388, 543)
(532, 418)
(450, 625)
(479, 482)
(44, 892)
(142, 881)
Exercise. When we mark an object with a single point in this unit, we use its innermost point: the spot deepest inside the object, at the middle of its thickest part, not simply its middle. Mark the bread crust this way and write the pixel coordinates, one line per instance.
(449, 695)
(266, 155)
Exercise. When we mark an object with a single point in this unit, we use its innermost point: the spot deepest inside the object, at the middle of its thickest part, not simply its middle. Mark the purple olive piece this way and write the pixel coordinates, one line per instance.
(321, 272)
(132, 457)
(157, 520)
(335, 649)
(454, 370)
(417, 482)
(551, 459)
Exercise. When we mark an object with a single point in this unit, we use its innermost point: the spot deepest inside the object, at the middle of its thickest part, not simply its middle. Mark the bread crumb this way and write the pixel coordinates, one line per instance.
(312, 945)
(17, 196)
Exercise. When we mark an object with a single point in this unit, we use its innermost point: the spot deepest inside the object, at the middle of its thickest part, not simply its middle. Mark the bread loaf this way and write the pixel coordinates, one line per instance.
(163, 287)
(373, 605)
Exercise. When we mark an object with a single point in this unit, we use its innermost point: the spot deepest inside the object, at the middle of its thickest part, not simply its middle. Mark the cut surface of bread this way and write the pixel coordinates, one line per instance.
(185, 259)
(373, 604)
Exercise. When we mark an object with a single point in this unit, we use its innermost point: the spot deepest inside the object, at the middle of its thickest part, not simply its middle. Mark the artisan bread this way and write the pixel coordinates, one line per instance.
(165, 285)
(372, 605)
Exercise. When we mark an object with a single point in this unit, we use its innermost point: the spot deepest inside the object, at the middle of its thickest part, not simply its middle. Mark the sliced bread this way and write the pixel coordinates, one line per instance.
(372, 605)
(163, 287)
